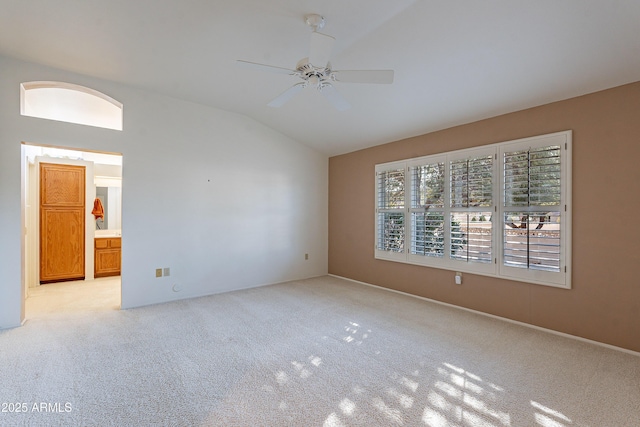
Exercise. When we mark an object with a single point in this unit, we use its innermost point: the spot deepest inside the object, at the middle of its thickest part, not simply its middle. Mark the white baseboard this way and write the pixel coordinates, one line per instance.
(493, 316)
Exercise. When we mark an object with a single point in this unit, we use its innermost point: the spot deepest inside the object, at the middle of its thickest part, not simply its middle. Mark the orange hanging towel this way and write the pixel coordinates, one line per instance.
(98, 209)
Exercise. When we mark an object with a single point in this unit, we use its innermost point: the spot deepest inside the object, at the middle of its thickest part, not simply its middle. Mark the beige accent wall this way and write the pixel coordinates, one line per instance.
(604, 303)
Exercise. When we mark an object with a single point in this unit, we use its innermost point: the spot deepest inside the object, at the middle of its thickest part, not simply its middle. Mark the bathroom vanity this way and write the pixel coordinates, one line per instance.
(107, 256)
(108, 240)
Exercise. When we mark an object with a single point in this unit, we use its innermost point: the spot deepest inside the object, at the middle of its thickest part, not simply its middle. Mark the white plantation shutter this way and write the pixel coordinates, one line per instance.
(427, 209)
(390, 212)
(532, 193)
(532, 240)
(471, 237)
(500, 210)
(532, 177)
(536, 209)
(472, 182)
(471, 201)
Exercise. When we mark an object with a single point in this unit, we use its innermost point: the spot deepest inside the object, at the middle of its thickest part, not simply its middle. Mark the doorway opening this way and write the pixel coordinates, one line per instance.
(93, 235)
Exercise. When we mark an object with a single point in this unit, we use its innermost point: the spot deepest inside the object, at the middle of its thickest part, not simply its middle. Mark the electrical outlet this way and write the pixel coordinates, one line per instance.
(306, 256)
(458, 278)
(167, 271)
(158, 272)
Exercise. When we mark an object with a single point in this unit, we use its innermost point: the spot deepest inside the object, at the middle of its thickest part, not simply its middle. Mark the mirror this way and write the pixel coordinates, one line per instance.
(111, 202)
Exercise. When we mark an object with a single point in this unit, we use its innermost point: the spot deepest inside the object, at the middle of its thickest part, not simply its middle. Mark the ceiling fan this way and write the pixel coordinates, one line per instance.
(315, 71)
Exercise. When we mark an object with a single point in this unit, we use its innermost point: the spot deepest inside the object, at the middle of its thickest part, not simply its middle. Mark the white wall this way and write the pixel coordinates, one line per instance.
(222, 200)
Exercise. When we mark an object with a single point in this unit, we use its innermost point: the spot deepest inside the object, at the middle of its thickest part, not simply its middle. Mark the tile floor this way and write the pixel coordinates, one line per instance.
(80, 296)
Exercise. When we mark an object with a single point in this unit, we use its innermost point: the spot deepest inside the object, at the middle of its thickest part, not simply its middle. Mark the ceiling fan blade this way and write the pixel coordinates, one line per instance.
(287, 95)
(320, 49)
(364, 76)
(335, 98)
(264, 67)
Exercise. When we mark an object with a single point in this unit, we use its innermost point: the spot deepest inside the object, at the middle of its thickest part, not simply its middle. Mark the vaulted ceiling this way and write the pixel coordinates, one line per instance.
(455, 61)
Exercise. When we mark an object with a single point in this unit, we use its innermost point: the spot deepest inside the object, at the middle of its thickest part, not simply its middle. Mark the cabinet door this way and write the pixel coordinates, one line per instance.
(62, 185)
(61, 244)
(107, 262)
(102, 243)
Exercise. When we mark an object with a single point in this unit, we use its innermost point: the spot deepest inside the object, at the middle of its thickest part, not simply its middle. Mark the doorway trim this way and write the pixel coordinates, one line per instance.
(31, 216)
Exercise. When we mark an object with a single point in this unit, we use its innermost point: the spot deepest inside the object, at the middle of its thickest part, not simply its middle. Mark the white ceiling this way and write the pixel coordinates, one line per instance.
(455, 61)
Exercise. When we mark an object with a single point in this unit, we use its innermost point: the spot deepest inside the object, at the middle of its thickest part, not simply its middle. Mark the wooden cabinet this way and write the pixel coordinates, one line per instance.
(107, 256)
(62, 222)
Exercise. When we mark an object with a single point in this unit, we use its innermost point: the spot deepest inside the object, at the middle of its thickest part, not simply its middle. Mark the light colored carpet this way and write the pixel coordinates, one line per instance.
(318, 352)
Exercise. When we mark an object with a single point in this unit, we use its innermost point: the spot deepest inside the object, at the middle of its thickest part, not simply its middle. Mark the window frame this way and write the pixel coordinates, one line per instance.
(562, 278)
(497, 267)
(425, 259)
(381, 254)
(70, 103)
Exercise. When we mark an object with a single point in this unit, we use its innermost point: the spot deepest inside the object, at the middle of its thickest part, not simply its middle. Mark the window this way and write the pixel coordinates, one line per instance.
(500, 210)
(391, 215)
(427, 208)
(471, 201)
(70, 103)
(533, 211)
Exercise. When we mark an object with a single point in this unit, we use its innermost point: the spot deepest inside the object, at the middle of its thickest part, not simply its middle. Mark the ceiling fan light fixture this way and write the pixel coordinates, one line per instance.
(314, 81)
(316, 71)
